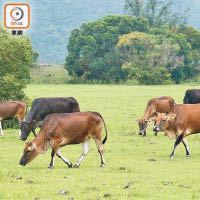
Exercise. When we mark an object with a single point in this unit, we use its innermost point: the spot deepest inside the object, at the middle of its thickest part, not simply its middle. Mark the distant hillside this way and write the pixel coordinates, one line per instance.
(53, 20)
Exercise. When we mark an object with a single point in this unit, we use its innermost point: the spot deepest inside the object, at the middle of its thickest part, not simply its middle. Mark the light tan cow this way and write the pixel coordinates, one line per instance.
(160, 104)
(11, 109)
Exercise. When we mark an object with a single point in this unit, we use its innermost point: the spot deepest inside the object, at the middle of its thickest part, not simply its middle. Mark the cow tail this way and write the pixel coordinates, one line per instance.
(104, 140)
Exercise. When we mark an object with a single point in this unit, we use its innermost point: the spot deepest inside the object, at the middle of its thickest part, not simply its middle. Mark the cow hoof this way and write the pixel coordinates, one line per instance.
(102, 165)
(70, 165)
(76, 166)
(50, 167)
(188, 155)
(171, 156)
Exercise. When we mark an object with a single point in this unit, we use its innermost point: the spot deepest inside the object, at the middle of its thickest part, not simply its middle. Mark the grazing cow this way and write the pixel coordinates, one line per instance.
(160, 104)
(184, 120)
(192, 96)
(11, 109)
(42, 107)
(59, 130)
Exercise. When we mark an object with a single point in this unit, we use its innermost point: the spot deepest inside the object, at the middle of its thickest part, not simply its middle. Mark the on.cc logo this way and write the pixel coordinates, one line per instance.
(17, 14)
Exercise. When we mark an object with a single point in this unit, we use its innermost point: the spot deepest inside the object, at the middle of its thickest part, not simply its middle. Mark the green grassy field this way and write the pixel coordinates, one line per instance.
(128, 156)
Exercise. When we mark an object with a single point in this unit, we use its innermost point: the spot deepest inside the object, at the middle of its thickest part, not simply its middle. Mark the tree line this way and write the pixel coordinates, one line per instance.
(16, 57)
(155, 46)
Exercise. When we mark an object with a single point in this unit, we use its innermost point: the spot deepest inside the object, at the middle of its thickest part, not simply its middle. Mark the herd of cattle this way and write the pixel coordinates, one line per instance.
(61, 123)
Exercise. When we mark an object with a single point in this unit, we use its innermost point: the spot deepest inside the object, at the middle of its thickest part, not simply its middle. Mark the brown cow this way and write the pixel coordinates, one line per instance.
(59, 130)
(160, 104)
(11, 109)
(184, 120)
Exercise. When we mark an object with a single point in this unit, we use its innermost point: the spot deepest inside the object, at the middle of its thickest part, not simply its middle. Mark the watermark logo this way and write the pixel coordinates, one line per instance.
(17, 16)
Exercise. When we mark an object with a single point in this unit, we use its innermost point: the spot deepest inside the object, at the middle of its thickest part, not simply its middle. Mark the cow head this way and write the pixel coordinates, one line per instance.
(143, 123)
(26, 128)
(162, 121)
(30, 152)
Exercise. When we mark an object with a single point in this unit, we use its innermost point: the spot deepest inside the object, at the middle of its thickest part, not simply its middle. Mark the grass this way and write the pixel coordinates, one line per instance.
(127, 154)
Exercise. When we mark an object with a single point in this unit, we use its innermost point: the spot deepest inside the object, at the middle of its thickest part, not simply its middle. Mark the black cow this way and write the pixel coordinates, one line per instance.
(42, 107)
(192, 96)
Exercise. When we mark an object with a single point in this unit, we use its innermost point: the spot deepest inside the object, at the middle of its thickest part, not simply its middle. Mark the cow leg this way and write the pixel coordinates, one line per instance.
(66, 161)
(178, 140)
(101, 151)
(51, 165)
(186, 147)
(86, 149)
(156, 133)
(1, 129)
(145, 133)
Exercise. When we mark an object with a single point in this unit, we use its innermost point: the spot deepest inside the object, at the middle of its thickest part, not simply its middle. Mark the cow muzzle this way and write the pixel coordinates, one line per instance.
(140, 133)
(156, 128)
(143, 132)
(22, 162)
(23, 138)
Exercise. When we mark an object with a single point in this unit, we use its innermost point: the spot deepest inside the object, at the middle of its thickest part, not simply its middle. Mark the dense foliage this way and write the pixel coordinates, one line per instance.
(120, 48)
(91, 49)
(16, 57)
(15, 60)
(189, 41)
(147, 58)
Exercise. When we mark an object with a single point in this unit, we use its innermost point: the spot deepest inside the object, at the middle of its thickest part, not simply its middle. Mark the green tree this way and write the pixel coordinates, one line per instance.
(16, 56)
(188, 40)
(91, 53)
(158, 12)
(147, 58)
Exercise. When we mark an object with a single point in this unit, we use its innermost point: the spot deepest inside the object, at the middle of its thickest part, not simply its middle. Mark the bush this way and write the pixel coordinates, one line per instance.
(16, 57)
(91, 48)
(47, 74)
